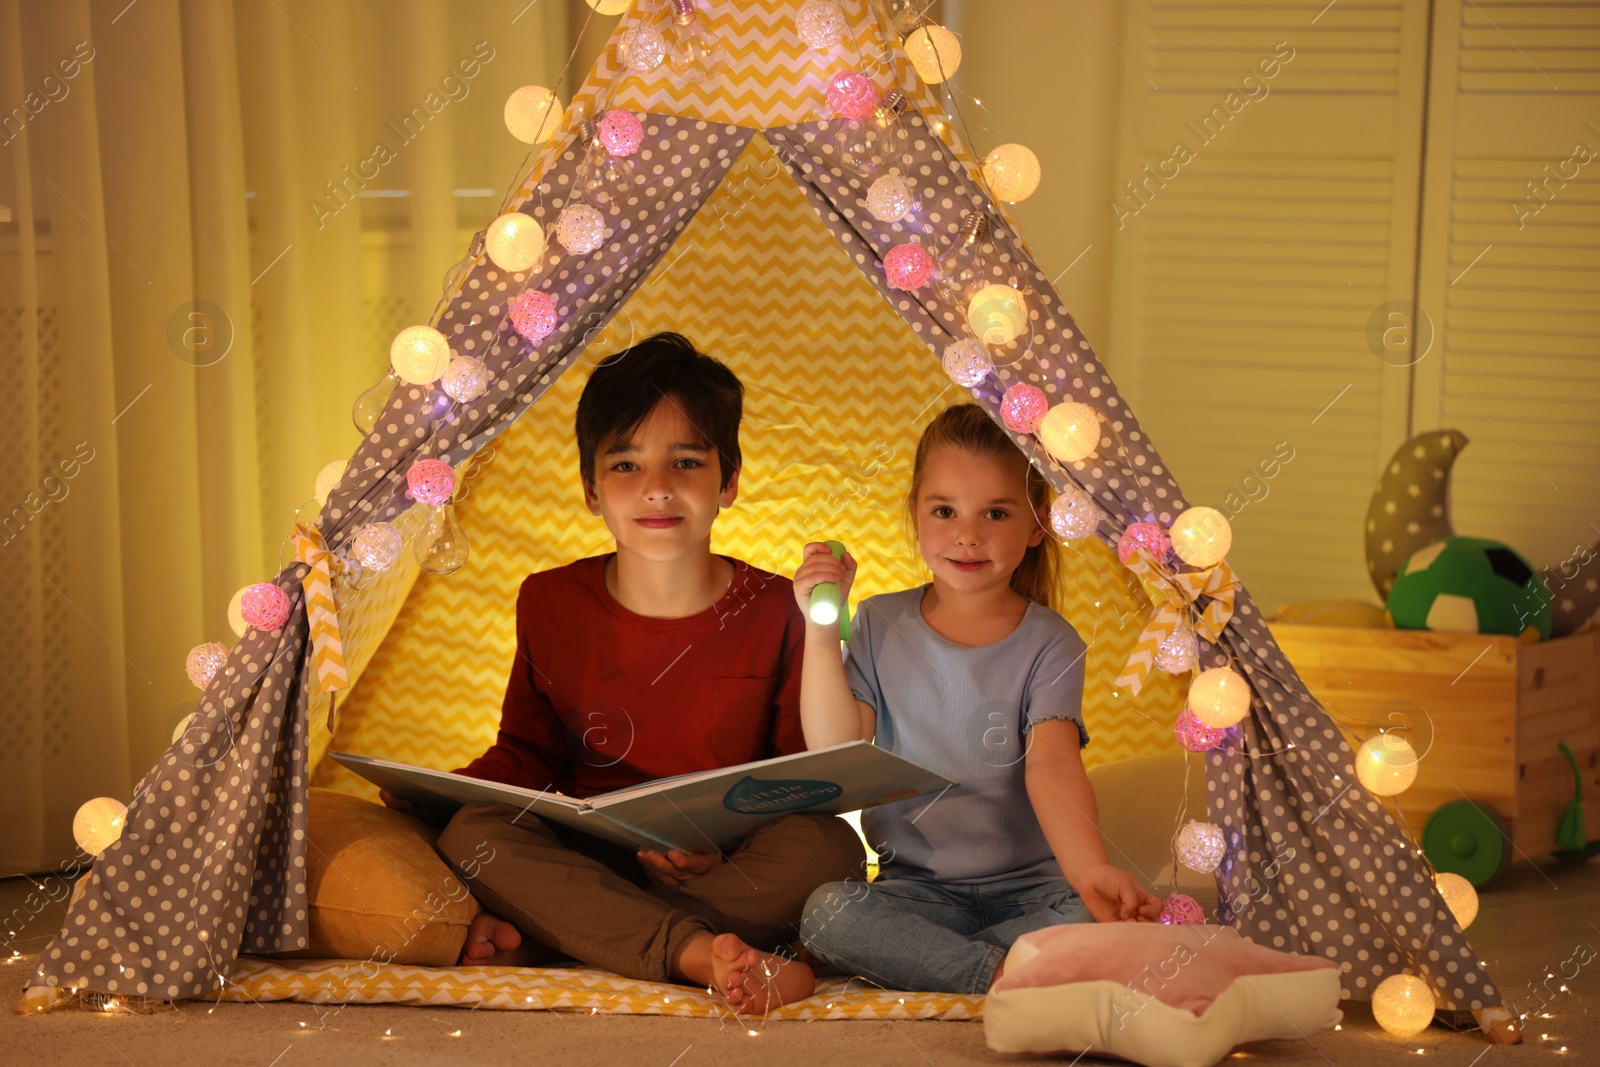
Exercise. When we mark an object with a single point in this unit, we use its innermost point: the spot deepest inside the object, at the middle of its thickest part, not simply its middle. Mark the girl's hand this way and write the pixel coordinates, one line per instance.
(1113, 895)
(675, 867)
(817, 566)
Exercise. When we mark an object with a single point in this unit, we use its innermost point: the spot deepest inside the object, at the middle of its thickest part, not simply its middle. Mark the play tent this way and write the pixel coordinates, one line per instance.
(744, 231)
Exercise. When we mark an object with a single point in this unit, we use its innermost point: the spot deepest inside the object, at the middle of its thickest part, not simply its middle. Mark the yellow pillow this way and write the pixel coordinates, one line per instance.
(378, 890)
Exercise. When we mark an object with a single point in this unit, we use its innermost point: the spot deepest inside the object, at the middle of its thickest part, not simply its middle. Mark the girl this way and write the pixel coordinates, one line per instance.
(975, 676)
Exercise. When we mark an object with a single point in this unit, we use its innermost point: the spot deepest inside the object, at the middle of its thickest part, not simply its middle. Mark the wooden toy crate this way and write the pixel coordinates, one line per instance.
(1497, 709)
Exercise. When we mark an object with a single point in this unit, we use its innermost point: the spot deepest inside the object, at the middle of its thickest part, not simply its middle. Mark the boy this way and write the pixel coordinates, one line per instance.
(655, 660)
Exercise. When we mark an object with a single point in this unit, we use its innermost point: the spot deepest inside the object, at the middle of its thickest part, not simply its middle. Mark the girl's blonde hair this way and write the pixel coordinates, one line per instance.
(969, 428)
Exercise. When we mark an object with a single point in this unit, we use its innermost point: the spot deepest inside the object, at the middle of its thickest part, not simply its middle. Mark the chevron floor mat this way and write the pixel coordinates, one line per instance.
(578, 989)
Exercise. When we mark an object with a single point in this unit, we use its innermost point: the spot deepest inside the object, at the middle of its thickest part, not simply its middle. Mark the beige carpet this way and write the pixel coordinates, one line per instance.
(1529, 924)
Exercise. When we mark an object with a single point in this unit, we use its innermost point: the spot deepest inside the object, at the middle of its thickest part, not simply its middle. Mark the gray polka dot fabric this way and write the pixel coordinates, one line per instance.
(211, 862)
(1315, 864)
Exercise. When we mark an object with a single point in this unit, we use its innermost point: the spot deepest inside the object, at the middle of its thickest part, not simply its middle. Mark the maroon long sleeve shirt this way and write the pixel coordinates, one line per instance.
(601, 698)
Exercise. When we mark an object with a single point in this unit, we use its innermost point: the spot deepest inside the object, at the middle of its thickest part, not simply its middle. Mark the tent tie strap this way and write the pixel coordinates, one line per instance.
(322, 610)
(1173, 596)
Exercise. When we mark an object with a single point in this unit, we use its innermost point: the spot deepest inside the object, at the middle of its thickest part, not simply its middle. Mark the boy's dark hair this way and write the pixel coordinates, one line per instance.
(626, 386)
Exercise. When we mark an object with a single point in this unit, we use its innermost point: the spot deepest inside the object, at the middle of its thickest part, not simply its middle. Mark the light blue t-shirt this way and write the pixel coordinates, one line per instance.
(964, 712)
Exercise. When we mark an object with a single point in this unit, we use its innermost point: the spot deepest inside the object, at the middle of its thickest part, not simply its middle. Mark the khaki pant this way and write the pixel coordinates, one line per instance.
(590, 900)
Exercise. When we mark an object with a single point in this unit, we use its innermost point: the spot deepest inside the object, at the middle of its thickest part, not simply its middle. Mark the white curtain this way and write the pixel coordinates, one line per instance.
(200, 269)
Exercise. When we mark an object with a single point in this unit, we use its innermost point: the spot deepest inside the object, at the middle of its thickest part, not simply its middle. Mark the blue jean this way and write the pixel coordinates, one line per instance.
(936, 937)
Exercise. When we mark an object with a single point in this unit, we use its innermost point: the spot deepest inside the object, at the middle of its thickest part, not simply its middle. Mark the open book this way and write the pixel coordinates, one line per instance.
(690, 812)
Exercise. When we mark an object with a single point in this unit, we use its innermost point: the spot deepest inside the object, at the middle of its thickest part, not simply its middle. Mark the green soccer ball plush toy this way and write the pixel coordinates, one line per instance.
(1471, 585)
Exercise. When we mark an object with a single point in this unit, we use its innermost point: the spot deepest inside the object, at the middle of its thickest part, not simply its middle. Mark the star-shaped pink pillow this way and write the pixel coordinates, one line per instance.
(1163, 996)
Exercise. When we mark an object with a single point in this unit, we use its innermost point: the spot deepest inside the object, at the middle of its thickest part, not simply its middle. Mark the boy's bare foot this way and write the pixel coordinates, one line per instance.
(491, 942)
(752, 982)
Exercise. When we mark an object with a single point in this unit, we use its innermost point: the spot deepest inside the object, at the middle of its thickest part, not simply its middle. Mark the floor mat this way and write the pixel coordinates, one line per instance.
(580, 989)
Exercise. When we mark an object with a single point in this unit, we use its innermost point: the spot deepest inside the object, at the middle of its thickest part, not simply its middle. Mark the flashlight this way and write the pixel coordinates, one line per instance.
(825, 606)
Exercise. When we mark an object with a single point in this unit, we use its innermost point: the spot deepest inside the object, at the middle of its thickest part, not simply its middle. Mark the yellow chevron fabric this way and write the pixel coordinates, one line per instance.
(327, 651)
(367, 610)
(579, 989)
(838, 391)
(769, 76)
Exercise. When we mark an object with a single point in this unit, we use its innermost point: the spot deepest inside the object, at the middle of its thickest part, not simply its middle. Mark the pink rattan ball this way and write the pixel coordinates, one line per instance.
(1180, 909)
(533, 314)
(1145, 535)
(264, 606)
(621, 132)
(1022, 407)
(908, 266)
(1195, 735)
(431, 481)
(852, 95)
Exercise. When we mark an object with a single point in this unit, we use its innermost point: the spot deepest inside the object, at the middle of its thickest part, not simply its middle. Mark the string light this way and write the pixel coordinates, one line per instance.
(420, 355)
(514, 242)
(934, 51)
(1201, 537)
(327, 478)
(606, 177)
(1403, 1005)
(693, 56)
(532, 114)
(966, 362)
(581, 228)
(466, 379)
(1012, 172)
(1459, 896)
(377, 545)
(98, 824)
(204, 661)
(1219, 697)
(998, 314)
(820, 24)
(889, 199)
(1023, 407)
(1201, 846)
(1074, 516)
(264, 607)
(1386, 764)
(1147, 536)
(533, 314)
(907, 266)
(852, 95)
(621, 132)
(431, 481)
(642, 49)
(1178, 652)
(1070, 431)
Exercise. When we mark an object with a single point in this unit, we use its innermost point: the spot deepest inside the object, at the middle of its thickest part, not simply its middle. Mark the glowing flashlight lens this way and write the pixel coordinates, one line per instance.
(823, 613)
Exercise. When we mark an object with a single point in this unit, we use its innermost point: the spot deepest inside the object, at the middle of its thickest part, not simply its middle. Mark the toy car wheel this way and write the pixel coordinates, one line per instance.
(1467, 838)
